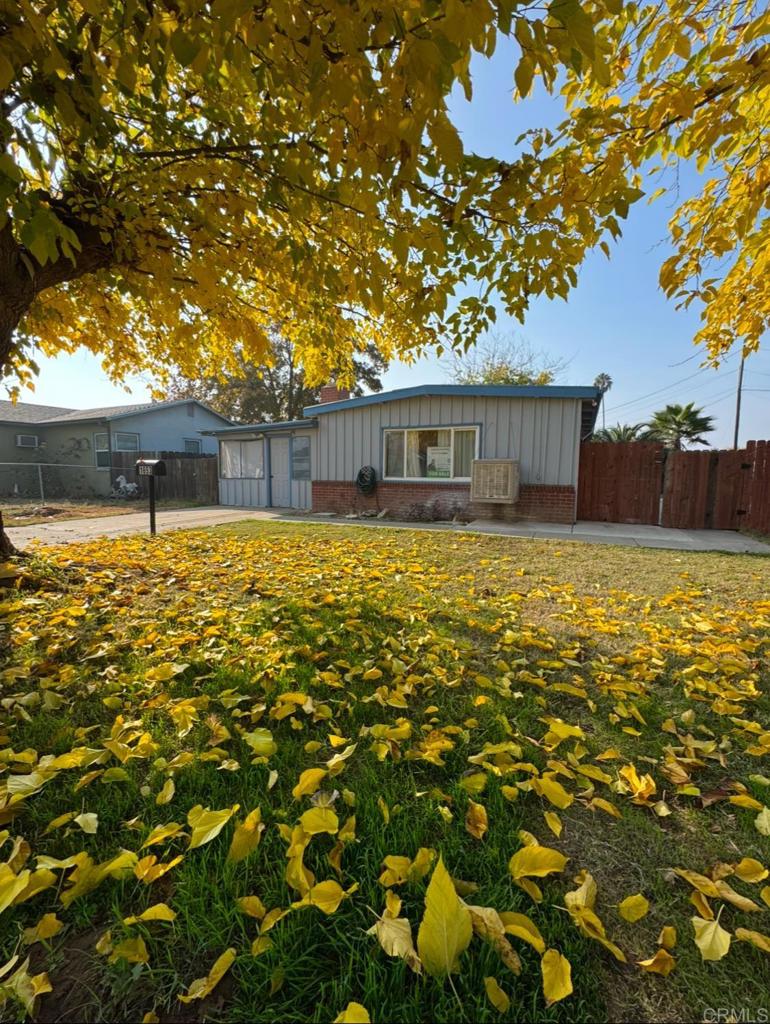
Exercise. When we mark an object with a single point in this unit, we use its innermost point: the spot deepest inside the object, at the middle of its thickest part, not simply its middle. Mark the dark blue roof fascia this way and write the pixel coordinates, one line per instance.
(263, 428)
(461, 391)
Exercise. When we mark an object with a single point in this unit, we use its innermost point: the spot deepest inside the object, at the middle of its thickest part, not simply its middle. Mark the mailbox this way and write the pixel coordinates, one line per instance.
(150, 467)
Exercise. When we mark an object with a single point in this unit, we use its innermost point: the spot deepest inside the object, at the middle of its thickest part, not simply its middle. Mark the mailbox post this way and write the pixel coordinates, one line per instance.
(151, 468)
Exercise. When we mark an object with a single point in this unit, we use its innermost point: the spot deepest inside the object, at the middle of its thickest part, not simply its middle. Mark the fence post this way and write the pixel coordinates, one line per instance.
(40, 481)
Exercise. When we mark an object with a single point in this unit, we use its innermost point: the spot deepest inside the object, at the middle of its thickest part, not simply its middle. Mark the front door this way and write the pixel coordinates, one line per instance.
(279, 472)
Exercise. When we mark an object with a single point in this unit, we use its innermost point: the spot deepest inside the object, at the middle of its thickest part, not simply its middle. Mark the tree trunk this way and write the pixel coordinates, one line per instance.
(7, 548)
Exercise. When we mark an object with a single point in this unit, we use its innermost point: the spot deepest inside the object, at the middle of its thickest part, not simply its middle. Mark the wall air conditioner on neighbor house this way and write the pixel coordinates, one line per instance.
(495, 480)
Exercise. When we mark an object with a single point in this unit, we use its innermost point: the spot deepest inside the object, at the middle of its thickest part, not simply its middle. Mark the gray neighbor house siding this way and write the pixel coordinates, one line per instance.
(67, 442)
(540, 428)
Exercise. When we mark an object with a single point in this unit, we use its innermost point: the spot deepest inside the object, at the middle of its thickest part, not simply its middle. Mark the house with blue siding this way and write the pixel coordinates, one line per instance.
(78, 446)
(432, 451)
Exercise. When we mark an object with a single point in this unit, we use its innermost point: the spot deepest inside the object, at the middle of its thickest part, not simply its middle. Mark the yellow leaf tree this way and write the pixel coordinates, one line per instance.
(172, 183)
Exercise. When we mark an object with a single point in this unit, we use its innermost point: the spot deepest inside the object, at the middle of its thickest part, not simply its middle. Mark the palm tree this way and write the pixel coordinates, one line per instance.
(625, 432)
(603, 382)
(677, 425)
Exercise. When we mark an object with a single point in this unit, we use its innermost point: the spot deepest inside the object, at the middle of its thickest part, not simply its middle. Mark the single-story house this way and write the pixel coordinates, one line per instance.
(87, 446)
(432, 450)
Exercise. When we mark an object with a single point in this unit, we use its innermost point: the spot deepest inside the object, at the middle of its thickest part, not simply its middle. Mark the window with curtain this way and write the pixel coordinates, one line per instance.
(230, 459)
(429, 453)
(252, 459)
(242, 460)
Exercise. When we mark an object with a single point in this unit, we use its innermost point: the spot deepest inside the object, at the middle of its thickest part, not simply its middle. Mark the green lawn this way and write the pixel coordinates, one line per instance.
(214, 668)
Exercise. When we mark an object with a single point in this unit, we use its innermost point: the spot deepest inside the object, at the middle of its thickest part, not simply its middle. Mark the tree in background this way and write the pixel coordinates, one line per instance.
(625, 432)
(271, 392)
(678, 425)
(501, 359)
(603, 382)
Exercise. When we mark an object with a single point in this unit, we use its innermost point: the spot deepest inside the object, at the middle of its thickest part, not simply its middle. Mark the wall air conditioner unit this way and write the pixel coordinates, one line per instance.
(495, 480)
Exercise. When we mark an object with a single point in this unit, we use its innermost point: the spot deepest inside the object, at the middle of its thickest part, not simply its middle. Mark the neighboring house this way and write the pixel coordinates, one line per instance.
(429, 446)
(81, 443)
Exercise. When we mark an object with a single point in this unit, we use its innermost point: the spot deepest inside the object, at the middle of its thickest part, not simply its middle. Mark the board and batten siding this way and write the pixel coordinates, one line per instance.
(542, 434)
(250, 492)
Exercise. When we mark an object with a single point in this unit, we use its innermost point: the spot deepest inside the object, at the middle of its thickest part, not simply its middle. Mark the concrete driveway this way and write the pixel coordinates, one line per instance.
(69, 531)
(73, 530)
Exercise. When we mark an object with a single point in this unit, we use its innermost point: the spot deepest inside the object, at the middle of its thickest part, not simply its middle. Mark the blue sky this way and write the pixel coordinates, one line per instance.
(616, 321)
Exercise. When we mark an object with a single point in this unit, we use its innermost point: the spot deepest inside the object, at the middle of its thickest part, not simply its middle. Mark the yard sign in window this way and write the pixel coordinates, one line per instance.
(430, 453)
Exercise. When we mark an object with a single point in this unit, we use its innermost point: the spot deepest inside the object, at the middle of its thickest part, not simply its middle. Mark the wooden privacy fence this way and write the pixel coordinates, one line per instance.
(188, 477)
(640, 482)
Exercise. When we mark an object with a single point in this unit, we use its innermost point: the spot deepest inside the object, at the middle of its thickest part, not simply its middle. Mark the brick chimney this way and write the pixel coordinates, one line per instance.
(331, 393)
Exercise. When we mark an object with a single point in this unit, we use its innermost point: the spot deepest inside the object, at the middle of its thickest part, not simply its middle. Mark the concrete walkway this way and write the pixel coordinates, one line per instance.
(69, 531)
(620, 534)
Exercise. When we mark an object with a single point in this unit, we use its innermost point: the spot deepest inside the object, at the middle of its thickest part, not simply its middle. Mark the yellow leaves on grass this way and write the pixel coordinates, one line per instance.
(203, 987)
(520, 926)
(398, 870)
(320, 819)
(661, 963)
(309, 781)
(354, 1013)
(157, 912)
(446, 929)
(711, 938)
(369, 698)
(557, 976)
(207, 824)
(476, 821)
(20, 985)
(762, 942)
(394, 933)
(246, 836)
(46, 928)
(327, 896)
(633, 908)
(535, 861)
(499, 999)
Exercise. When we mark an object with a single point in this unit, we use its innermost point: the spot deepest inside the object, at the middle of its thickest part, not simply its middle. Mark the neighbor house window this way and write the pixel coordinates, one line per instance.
(241, 460)
(300, 458)
(26, 441)
(430, 453)
(125, 442)
(192, 446)
(102, 450)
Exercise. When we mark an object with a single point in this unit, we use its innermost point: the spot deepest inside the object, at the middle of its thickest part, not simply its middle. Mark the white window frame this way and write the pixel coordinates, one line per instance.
(195, 441)
(430, 479)
(97, 449)
(20, 441)
(116, 443)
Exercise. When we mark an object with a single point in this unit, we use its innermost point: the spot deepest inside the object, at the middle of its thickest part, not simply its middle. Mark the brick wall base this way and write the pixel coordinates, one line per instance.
(421, 501)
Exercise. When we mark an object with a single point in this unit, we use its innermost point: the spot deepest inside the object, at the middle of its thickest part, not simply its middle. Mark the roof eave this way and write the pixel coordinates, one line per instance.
(264, 428)
(548, 391)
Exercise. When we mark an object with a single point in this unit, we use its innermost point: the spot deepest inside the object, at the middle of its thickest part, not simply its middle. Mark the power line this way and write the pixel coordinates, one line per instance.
(668, 387)
(657, 391)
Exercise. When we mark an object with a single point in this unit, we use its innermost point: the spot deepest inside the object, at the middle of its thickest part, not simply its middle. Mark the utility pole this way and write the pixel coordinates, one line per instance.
(738, 401)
